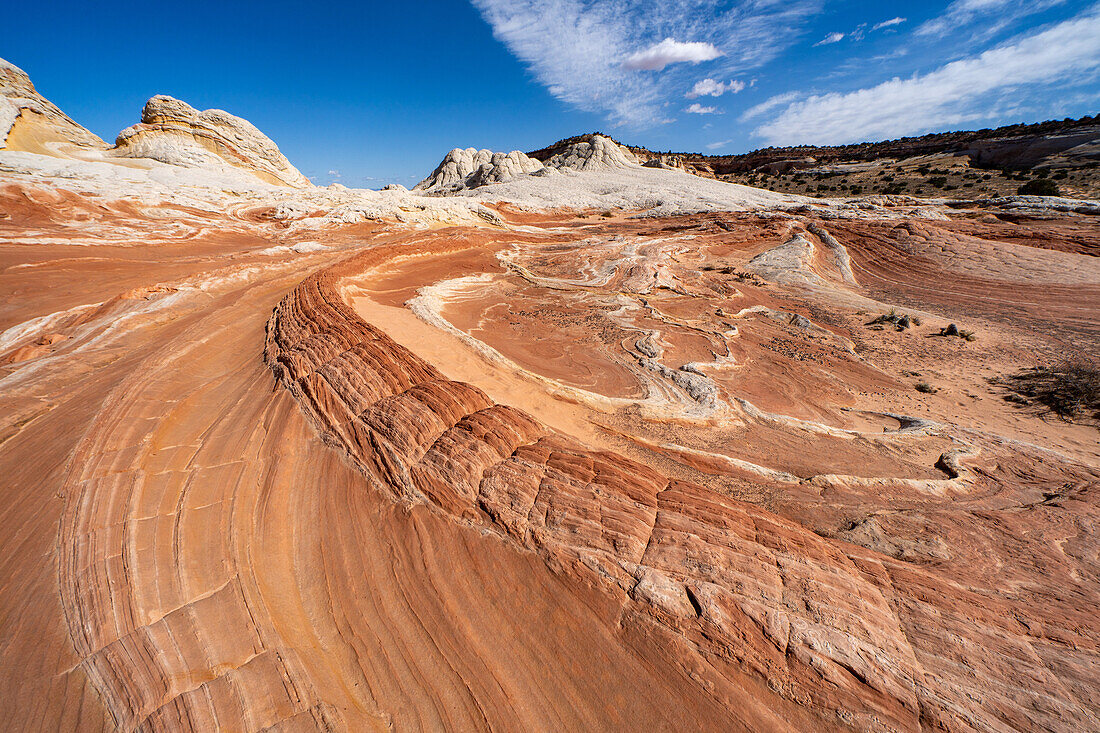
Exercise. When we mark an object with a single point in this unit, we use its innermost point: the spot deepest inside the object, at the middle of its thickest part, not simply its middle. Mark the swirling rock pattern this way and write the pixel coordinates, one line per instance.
(239, 496)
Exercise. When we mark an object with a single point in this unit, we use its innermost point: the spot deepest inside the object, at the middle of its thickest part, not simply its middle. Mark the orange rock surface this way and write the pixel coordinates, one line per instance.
(554, 473)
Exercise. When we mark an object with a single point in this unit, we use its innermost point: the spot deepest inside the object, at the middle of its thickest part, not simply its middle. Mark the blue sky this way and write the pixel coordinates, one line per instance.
(371, 92)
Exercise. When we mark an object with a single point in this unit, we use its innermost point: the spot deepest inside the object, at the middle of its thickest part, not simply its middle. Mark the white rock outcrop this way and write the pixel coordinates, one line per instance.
(176, 133)
(470, 168)
(29, 122)
(599, 153)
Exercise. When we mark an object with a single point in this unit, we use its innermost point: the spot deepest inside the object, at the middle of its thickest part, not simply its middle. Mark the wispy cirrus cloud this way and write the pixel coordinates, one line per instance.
(606, 56)
(889, 23)
(966, 90)
(768, 105)
(831, 38)
(961, 13)
(711, 88)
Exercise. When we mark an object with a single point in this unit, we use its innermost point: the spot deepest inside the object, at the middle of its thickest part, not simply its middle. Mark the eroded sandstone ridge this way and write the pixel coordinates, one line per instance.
(609, 448)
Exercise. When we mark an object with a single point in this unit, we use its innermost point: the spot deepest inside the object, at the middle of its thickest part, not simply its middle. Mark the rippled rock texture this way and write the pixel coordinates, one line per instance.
(266, 467)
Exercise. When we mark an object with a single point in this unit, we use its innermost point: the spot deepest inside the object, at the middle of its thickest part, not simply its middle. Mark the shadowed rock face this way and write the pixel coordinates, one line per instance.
(174, 132)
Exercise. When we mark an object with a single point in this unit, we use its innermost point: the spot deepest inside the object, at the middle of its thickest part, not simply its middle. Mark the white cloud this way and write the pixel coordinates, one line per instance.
(668, 51)
(576, 48)
(698, 109)
(831, 38)
(711, 88)
(969, 89)
(889, 23)
(719, 144)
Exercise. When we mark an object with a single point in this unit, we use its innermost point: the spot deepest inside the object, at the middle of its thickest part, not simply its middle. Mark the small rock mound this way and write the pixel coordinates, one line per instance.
(470, 168)
(174, 132)
(29, 121)
(597, 153)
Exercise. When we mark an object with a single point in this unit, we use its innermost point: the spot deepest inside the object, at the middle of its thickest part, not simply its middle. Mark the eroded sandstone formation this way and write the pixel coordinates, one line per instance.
(472, 168)
(282, 458)
(826, 624)
(31, 123)
(174, 132)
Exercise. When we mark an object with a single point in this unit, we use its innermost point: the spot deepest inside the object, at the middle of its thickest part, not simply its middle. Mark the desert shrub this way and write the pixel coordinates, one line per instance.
(1070, 389)
(900, 321)
(1039, 187)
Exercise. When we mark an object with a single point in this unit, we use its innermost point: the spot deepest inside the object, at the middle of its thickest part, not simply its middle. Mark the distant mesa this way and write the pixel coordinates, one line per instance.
(30, 123)
(471, 168)
(176, 133)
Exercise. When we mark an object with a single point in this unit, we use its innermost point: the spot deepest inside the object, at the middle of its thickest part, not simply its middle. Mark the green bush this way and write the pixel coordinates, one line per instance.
(1039, 187)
